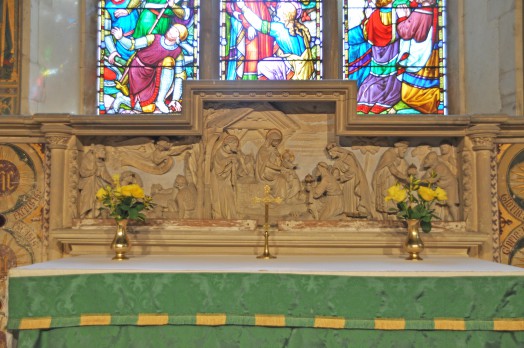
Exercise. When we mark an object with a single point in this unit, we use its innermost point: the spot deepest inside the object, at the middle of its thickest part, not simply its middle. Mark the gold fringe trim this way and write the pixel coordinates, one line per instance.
(211, 319)
(95, 319)
(508, 324)
(270, 320)
(450, 324)
(35, 323)
(152, 319)
(330, 322)
(390, 324)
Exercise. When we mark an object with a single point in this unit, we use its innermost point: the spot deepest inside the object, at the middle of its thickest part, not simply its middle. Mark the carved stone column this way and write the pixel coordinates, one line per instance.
(57, 138)
(482, 137)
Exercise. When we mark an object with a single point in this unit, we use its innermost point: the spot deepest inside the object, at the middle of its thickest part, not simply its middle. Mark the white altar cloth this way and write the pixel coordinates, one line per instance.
(353, 265)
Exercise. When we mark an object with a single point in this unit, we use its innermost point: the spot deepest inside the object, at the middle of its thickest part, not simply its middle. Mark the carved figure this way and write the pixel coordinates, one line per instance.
(294, 186)
(93, 176)
(185, 200)
(391, 168)
(162, 198)
(347, 170)
(438, 172)
(269, 169)
(447, 156)
(150, 157)
(129, 177)
(328, 191)
(226, 167)
(164, 148)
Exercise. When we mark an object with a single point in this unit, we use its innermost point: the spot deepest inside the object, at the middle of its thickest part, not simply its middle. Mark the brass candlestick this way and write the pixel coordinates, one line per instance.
(267, 199)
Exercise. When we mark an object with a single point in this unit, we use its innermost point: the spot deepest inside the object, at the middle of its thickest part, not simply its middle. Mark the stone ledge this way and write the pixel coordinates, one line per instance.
(243, 237)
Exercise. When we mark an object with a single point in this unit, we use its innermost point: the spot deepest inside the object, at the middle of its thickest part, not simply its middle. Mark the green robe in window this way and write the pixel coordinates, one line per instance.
(149, 15)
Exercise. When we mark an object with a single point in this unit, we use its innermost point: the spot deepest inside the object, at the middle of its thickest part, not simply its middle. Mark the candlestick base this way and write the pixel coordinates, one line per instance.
(266, 257)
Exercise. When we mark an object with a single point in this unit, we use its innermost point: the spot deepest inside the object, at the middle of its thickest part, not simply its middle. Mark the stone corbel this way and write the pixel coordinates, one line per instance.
(483, 137)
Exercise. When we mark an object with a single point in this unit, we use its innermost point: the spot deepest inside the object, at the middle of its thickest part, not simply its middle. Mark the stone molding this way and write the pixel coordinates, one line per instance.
(287, 237)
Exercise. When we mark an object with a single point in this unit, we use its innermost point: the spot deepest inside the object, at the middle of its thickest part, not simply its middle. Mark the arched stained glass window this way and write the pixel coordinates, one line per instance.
(270, 40)
(396, 51)
(146, 49)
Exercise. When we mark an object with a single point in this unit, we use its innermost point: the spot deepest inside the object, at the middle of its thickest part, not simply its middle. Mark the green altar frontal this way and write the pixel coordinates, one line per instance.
(289, 302)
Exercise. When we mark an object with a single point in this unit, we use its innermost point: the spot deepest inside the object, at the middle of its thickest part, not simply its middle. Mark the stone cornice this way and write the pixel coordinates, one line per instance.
(39, 125)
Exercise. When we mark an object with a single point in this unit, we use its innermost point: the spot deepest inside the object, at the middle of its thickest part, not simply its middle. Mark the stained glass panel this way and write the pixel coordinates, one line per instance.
(270, 40)
(146, 49)
(10, 60)
(395, 50)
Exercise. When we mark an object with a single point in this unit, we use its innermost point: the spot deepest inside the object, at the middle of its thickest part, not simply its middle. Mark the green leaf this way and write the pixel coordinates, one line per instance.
(426, 226)
(133, 214)
(426, 218)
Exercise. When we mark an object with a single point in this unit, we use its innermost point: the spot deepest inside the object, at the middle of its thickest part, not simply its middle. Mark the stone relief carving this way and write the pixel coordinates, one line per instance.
(482, 142)
(184, 203)
(467, 184)
(73, 182)
(420, 152)
(448, 157)
(129, 177)
(351, 177)
(162, 198)
(93, 176)
(269, 168)
(294, 185)
(57, 140)
(226, 168)
(328, 193)
(391, 168)
(47, 197)
(148, 155)
(439, 173)
(221, 172)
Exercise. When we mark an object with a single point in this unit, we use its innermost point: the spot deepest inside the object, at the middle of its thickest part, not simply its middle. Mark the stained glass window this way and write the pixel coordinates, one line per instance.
(270, 40)
(10, 59)
(396, 51)
(146, 49)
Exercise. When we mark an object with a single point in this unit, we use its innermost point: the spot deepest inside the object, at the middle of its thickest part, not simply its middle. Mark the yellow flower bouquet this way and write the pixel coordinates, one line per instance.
(415, 200)
(124, 202)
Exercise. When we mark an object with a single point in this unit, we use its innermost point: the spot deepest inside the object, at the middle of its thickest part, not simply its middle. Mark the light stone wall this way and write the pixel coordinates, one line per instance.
(490, 57)
(52, 60)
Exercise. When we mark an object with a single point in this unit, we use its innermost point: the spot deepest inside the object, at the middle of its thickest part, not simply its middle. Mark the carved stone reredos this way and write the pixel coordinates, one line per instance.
(235, 147)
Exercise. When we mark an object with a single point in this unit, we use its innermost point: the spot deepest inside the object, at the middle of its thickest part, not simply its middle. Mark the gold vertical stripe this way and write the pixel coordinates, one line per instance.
(95, 319)
(450, 324)
(508, 324)
(270, 320)
(211, 319)
(152, 319)
(390, 324)
(330, 322)
(35, 323)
